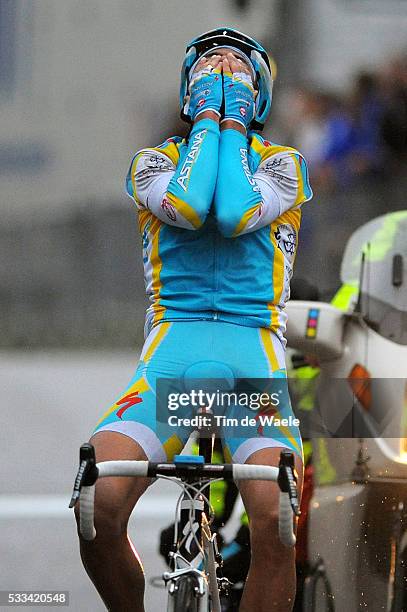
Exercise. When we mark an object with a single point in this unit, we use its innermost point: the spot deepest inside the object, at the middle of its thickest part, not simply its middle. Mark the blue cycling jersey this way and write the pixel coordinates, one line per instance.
(219, 216)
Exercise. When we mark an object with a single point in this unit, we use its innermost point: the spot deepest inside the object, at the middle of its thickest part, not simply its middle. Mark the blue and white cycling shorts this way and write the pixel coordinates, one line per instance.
(174, 348)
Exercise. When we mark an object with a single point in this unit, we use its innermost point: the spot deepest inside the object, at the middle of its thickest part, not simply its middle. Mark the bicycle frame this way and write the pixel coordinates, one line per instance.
(194, 525)
(206, 590)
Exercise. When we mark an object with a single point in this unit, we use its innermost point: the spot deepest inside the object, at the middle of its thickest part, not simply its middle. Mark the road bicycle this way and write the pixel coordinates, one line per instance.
(195, 582)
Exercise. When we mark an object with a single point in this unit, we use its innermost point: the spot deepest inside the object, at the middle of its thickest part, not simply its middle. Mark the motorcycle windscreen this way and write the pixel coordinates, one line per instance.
(375, 259)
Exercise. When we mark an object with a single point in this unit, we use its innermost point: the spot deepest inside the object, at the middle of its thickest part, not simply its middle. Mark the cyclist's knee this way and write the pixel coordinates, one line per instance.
(264, 534)
(115, 498)
(264, 523)
(109, 523)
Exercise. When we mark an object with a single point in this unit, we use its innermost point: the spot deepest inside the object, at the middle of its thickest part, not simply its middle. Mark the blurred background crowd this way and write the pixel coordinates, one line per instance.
(84, 85)
(359, 135)
(355, 143)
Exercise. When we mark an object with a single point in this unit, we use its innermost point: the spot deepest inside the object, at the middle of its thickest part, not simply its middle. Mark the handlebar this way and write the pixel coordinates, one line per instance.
(89, 471)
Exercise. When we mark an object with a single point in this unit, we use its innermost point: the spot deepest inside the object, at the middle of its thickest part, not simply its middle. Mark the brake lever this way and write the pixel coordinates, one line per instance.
(287, 479)
(87, 472)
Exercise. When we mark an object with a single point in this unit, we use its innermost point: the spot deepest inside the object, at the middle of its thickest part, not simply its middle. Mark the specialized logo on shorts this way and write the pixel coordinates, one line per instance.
(191, 158)
(271, 411)
(169, 209)
(128, 401)
(286, 237)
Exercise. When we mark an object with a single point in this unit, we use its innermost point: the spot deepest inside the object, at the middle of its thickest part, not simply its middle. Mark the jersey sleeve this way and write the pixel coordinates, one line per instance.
(238, 201)
(147, 182)
(192, 186)
(180, 193)
(284, 182)
(246, 202)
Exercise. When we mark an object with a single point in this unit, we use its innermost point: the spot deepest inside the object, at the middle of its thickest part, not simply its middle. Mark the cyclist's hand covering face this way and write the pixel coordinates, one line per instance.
(238, 90)
(205, 88)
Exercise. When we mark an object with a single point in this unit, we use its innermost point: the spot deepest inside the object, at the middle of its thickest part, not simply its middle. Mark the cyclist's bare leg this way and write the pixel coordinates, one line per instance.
(271, 579)
(110, 560)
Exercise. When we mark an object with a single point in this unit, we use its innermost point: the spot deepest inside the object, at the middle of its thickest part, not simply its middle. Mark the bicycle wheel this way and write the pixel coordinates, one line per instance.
(398, 589)
(317, 594)
(184, 599)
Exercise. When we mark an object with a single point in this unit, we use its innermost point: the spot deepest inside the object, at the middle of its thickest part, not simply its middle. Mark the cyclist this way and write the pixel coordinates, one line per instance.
(219, 213)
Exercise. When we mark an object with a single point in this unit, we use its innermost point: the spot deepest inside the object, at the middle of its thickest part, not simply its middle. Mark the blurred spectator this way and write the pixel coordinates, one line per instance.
(356, 137)
(305, 122)
(394, 120)
(366, 108)
(322, 131)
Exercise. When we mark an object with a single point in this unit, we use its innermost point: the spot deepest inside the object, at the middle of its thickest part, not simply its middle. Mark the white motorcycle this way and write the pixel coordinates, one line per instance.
(357, 530)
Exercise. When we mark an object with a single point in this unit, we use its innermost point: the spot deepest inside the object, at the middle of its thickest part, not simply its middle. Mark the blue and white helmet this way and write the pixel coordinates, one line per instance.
(251, 49)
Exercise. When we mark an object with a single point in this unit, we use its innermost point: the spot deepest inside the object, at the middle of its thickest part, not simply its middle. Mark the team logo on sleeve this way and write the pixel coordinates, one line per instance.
(190, 160)
(159, 162)
(145, 242)
(152, 164)
(277, 169)
(286, 237)
(169, 209)
(246, 169)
